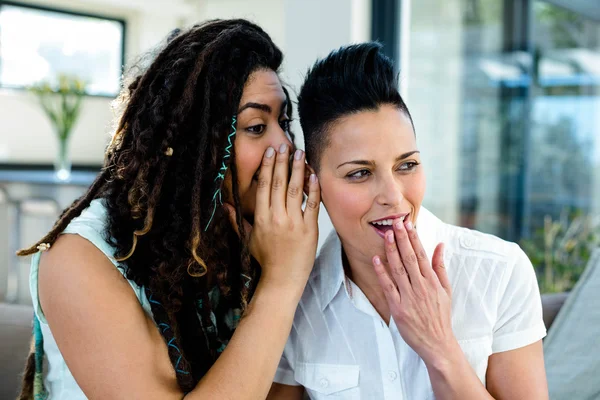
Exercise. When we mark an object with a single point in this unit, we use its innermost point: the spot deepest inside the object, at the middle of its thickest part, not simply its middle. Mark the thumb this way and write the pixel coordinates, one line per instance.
(440, 268)
(233, 220)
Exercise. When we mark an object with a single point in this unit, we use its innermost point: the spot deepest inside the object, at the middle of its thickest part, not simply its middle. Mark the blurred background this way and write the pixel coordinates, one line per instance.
(505, 95)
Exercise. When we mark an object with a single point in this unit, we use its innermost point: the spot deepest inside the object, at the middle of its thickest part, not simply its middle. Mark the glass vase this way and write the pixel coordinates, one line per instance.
(62, 163)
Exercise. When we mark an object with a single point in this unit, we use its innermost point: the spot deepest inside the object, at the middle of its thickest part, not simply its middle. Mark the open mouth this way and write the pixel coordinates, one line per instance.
(381, 226)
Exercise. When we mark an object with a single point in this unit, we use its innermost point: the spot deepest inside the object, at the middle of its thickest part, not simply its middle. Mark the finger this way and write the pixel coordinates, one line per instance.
(263, 192)
(280, 179)
(294, 192)
(311, 212)
(308, 171)
(390, 290)
(407, 254)
(419, 250)
(233, 220)
(397, 268)
(439, 267)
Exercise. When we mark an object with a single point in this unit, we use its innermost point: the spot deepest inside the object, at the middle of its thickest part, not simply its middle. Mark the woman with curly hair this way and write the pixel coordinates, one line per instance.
(178, 273)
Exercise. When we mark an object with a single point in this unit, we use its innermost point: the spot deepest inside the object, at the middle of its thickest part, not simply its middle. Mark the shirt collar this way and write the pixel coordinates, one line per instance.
(328, 273)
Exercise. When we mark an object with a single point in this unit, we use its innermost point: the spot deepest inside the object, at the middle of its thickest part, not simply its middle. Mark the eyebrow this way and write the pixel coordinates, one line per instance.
(262, 107)
(366, 162)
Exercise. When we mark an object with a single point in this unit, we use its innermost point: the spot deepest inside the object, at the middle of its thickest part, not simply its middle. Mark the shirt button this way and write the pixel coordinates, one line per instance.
(324, 383)
(392, 375)
(468, 242)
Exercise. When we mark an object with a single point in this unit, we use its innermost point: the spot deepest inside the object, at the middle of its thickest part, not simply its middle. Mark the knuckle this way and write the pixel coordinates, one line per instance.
(412, 234)
(293, 191)
(421, 255)
(278, 221)
(263, 183)
(311, 204)
(277, 183)
(399, 270)
(411, 258)
(259, 219)
(390, 287)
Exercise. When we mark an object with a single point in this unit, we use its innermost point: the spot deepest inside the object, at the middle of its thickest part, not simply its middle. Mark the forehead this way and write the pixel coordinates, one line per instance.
(386, 130)
(263, 86)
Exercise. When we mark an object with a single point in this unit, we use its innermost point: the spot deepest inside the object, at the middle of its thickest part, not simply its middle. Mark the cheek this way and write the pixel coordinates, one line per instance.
(417, 186)
(346, 203)
(248, 157)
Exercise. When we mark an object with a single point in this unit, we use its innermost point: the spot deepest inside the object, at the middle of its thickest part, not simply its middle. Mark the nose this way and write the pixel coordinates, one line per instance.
(389, 191)
(280, 137)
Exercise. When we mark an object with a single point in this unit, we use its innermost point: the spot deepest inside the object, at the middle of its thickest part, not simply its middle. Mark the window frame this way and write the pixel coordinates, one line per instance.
(69, 12)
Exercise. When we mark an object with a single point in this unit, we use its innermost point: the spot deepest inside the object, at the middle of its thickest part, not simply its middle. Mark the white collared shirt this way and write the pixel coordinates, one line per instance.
(341, 348)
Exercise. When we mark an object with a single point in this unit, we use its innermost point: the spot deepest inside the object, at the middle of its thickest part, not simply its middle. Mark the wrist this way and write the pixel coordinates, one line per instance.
(446, 362)
(282, 295)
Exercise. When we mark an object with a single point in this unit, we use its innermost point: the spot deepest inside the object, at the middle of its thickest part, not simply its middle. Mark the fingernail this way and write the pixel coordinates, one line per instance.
(313, 178)
(390, 237)
(270, 152)
(298, 154)
(398, 224)
(377, 260)
(283, 148)
(409, 226)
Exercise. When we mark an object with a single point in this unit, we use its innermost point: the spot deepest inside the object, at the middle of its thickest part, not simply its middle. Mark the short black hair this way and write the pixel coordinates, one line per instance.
(350, 79)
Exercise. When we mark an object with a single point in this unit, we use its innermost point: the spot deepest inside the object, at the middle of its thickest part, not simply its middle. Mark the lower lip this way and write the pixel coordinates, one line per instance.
(381, 232)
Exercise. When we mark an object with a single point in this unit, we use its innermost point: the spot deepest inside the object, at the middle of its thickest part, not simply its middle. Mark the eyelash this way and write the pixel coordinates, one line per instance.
(284, 124)
(365, 172)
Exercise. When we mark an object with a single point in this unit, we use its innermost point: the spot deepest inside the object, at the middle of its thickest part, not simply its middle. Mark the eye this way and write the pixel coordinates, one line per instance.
(408, 166)
(256, 129)
(358, 175)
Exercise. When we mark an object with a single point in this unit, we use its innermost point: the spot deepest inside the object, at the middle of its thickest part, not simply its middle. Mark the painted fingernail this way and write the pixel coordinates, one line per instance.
(313, 178)
(398, 224)
(409, 226)
(390, 236)
(298, 154)
(270, 152)
(283, 148)
(377, 260)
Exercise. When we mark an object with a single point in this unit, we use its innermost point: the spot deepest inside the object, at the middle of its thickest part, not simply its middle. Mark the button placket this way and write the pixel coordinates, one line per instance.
(388, 358)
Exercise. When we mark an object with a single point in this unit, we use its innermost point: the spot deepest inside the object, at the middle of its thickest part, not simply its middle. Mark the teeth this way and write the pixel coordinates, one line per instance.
(386, 222)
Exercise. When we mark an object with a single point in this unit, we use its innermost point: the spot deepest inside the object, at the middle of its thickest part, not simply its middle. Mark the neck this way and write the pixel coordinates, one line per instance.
(358, 267)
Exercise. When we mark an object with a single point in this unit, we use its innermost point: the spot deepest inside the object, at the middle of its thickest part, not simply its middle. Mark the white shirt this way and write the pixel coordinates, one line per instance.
(341, 348)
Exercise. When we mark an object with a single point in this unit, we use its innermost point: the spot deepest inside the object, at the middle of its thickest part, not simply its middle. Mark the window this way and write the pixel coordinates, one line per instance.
(41, 43)
(505, 97)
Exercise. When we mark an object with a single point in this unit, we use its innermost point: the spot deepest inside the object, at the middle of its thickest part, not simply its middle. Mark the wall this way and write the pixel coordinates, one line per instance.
(305, 30)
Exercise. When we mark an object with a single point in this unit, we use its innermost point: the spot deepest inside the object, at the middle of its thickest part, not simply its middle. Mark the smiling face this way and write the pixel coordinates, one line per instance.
(370, 173)
(262, 122)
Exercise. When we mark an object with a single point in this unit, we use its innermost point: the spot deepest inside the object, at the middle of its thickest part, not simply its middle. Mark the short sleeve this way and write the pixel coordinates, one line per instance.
(519, 322)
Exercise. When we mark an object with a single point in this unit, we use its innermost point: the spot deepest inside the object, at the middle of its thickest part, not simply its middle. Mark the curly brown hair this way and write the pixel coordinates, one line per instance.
(159, 204)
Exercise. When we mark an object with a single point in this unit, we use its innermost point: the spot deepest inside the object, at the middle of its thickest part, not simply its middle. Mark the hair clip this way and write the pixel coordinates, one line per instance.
(169, 152)
(43, 247)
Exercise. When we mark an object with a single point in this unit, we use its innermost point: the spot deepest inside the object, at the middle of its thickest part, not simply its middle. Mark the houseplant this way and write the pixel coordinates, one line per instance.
(61, 102)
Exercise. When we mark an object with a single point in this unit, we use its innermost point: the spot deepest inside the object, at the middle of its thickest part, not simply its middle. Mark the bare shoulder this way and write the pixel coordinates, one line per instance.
(99, 324)
(73, 261)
